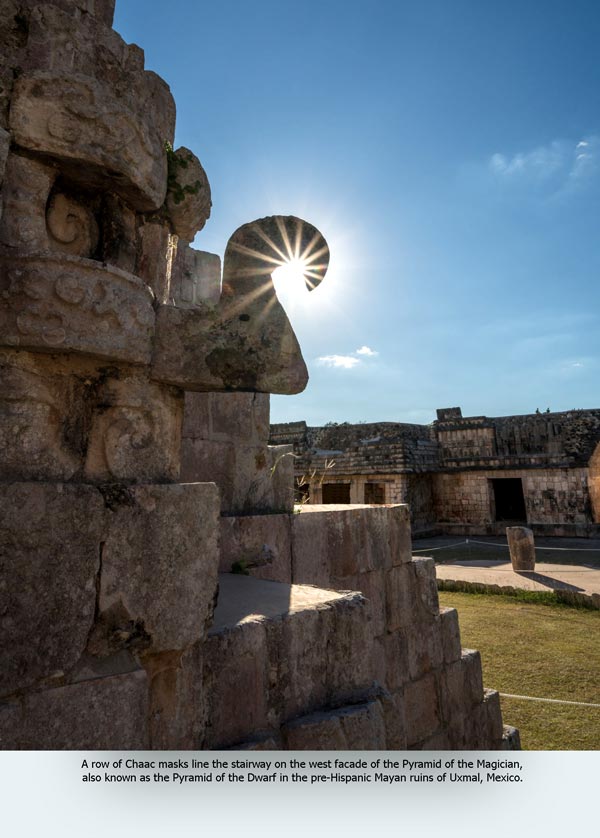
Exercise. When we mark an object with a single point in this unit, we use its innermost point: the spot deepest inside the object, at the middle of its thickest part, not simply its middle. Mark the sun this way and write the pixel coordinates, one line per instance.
(289, 280)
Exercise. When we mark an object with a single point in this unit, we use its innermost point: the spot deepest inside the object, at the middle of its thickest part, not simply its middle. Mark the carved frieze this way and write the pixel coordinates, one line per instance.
(33, 409)
(136, 432)
(67, 304)
(99, 139)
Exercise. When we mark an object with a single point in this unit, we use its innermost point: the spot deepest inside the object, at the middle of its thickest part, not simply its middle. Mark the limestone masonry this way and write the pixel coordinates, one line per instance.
(135, 462)
(468, 475)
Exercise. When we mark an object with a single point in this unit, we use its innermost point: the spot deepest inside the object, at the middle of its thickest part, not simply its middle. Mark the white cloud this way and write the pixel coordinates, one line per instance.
(341, 361)
(561, 164)
(366, 350)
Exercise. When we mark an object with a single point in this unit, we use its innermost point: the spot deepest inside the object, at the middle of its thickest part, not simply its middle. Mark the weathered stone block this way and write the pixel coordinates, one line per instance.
(358, 728)
(258, 544)
(392, 705)
(471, 661)
(461, 686)
(50, 538)
(6, 85)
(196, 416)
(349, 650)
(426, 588)
(372, 587)
(282, 477)
(161, 538)
(227, 349)
(135, 434)
(378, 661)
(364, 726)
(315, 732)
(400, 596)
(106, 714)
(4, 146)
(261, 408)
(450, 634)
(511, 741)
(425, 649)
(98, 138)
(338, 543)
(177, 705)
(68, 304)
(36, 415)
(237, 676)
(522, 548)
(195, 277)
(483, 724)
(310, 549)
(242, 473)
(188, 199)
(205, 461)
(313, 648)
(25, 191)
(154, 255)
(119, 234)
(397, 660)
(232, 418)
(399, 533)
(304, 682)
(422, 709)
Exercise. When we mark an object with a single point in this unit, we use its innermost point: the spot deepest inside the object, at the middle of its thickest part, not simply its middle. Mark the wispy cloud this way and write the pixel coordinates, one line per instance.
(343, 361)
(560, 165)
(348, 362)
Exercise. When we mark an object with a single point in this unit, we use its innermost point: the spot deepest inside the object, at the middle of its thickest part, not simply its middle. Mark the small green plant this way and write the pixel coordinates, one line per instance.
(240, 568)
(175, 162)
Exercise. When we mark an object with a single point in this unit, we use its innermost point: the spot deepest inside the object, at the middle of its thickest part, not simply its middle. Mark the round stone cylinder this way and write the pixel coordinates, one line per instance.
(522, 548)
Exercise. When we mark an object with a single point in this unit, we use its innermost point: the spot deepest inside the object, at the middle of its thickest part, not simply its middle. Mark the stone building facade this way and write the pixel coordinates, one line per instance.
(470, 475)
(136, 474)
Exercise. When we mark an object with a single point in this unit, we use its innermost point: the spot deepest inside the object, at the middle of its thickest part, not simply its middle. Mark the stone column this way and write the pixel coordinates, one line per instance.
(522, 548)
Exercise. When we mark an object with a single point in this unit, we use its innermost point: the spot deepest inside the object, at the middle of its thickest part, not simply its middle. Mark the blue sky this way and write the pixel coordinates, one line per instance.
(449, 150)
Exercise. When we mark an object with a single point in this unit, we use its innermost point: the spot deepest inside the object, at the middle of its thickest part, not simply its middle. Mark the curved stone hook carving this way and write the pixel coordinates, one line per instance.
(247, 343)
(71, 225)
(269, 357)
(256, 249)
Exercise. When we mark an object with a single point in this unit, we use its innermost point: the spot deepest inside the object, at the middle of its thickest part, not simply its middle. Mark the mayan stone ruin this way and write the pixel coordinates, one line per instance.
(135, 467)
(469, 475)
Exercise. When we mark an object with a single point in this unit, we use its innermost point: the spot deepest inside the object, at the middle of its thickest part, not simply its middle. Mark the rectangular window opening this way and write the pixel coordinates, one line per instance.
(336, 492)
(374, 493)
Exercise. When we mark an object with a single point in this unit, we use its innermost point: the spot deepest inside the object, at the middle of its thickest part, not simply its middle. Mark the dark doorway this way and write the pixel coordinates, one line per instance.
(374, 493)
(336, 493)
(509, 499)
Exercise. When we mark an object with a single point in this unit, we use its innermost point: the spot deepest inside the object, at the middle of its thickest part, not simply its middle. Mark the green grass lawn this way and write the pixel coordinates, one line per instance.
(529, 648)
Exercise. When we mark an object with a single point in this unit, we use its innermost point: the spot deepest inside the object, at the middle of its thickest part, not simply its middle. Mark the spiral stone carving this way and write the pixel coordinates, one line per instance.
(71, 226)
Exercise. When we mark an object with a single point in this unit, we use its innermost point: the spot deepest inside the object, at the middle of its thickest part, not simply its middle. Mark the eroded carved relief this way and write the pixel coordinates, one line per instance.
(32, 411)
(25, 190)
(98, 138)
(49, 302)
(71, 226)
(136, 432)
(247, 341)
